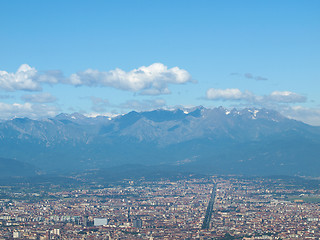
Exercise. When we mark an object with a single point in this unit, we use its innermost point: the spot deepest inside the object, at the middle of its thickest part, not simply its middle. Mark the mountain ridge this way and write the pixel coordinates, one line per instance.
(215, 140)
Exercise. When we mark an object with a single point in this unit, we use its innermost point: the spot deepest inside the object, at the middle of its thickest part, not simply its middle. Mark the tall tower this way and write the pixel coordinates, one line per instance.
(85, 221)
(128, 215)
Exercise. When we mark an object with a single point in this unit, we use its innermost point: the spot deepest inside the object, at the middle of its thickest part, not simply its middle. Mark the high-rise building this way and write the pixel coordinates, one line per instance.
(85, 221)
(128, 214)
(16, 234)
(137, 223)
(100, 221)
(56, 231)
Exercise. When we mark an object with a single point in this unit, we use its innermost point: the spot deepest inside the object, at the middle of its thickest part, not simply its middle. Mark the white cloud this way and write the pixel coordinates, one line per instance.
(226, 94)
(23, 79)
(286, 97)
(39, 98)
(150, 80)
(308, 115)
(145, 80)
(35, 111)
(234, 94)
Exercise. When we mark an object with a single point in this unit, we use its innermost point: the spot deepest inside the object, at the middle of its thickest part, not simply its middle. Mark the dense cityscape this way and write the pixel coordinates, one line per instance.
(159, 120)
(192, 208)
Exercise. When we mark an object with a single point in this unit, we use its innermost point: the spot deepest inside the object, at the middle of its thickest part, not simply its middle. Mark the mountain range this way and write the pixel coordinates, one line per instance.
(247, 141)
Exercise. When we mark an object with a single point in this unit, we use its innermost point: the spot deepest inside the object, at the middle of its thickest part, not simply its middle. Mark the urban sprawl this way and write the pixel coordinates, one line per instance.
(192, 208)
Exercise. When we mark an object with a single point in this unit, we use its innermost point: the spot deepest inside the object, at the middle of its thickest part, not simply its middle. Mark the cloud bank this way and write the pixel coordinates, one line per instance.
(146, 80)
(151, 80)
(235, 94)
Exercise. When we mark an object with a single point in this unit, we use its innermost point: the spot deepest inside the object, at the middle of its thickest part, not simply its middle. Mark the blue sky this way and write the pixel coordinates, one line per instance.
(111, 57)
